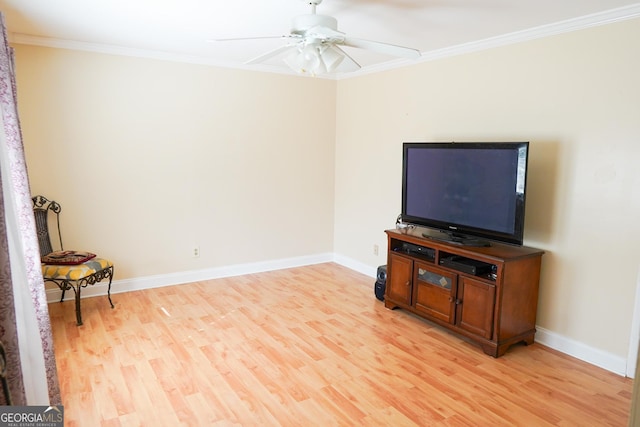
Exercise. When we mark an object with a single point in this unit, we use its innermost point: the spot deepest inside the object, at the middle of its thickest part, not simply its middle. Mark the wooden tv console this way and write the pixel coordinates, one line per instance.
(488, 295)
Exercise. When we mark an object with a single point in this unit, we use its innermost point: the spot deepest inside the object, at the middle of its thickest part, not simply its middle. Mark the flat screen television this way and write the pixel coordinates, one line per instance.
(470, 193)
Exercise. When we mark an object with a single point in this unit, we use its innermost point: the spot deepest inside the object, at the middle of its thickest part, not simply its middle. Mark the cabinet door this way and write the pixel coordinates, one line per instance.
(434, 292)
(399, 279)
(476, 306)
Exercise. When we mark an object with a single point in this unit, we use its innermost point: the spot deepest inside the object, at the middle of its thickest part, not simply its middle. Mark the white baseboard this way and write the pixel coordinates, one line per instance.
(354, 265)
(161, 280)
(576, 349)
(579, 350)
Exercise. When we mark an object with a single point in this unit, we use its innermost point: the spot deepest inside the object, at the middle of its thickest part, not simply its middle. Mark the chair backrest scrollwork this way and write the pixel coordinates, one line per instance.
(41, 208)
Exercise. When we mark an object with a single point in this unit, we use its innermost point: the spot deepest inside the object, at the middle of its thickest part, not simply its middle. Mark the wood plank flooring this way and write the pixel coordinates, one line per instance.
(308, 346)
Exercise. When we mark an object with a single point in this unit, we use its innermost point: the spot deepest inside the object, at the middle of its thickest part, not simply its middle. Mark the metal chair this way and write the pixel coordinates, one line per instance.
(59, 267)
(3, 376)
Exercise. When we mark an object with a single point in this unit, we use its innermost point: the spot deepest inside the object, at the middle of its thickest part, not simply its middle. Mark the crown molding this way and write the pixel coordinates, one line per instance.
(569, 25)
(27, 39)
(575, 24)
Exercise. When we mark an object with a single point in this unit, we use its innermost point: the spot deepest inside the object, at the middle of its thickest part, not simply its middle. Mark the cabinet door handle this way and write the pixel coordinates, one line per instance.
(456, 301)
(408, 283)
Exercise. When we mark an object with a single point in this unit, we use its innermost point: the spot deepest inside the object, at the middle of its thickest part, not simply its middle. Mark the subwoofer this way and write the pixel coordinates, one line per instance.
(381, 282)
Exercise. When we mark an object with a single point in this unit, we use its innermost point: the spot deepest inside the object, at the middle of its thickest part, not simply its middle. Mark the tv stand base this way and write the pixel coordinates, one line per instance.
(488, 296)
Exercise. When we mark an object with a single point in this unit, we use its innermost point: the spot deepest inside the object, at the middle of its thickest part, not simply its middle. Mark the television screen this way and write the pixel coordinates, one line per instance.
(471, 191)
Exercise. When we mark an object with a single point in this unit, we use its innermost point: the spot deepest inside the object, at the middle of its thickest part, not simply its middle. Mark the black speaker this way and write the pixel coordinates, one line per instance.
(381, 282)
(382, 274)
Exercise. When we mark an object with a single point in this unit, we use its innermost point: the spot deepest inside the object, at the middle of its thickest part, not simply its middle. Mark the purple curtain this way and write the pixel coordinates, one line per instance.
(25, 330)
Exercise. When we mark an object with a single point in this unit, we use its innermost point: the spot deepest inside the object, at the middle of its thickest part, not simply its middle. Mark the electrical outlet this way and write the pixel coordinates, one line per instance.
(375, 250)
(196, 252)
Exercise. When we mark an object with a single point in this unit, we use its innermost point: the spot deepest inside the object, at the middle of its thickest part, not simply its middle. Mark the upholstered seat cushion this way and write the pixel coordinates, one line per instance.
(75, 272)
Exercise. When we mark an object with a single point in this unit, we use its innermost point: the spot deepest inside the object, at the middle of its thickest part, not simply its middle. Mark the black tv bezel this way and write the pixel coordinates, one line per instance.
(459, 233)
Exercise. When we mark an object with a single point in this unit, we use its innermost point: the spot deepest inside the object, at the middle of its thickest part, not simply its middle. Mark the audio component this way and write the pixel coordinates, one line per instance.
(466, 265)
(381, 282)
(414, 249)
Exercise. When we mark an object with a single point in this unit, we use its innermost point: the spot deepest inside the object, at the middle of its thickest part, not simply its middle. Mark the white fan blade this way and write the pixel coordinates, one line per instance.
(385, 48)
(348, 63)
(270, 54)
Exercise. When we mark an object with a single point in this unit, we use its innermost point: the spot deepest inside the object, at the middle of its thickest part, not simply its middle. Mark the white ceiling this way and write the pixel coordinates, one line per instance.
(183, 29)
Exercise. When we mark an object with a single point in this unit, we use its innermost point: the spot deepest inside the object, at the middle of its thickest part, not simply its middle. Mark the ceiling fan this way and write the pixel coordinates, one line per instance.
(313, 45)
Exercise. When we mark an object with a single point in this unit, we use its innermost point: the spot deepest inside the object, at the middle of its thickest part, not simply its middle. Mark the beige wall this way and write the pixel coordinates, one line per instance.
(150, 158)
(576, 98)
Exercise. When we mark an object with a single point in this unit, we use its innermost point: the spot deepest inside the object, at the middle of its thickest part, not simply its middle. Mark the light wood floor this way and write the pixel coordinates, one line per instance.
(308, 346)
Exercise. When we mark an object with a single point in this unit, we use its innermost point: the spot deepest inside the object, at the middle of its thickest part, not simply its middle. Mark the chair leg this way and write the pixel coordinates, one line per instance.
(77, 286)
(78, 312)
(109, 288)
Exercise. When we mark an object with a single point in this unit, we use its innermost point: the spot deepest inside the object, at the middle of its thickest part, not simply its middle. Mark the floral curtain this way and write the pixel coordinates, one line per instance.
(25, 330)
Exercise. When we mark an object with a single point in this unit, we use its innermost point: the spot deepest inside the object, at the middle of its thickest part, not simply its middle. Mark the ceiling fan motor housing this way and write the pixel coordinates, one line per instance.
(302, 23)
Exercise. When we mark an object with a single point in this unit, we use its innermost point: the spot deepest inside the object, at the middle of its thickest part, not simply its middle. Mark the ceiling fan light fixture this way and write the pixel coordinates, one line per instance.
(303, 59)
(314, 58)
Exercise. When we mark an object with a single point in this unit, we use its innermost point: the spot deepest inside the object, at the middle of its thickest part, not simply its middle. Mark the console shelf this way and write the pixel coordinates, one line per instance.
(488, 295)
